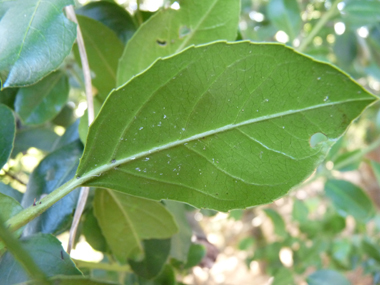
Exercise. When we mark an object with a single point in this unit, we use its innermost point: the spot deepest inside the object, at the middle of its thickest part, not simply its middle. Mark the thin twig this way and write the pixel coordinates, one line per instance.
(14, 177)
(90, 111)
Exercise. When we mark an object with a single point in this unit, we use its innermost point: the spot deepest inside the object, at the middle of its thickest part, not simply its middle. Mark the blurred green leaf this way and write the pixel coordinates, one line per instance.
(196, 254)
(236, 214)
(209, 108)
(278, 223)
(181, 241)
(41, 102)
(103, 51)
(71, 134)
(283, 276)
(8, 97)
(349, 199)
(286, 16)
(7, 133)
(300, 212)
(112, 15)
(65, 117)
(166, 277)
(9, 191)
(333, 224)
(93, 233)
(371, 249)
(72, 280)
(54, 170)
(125, 220)
(327, 277)
(376, 170)
(246, 243)
(340, 251)
(348, 156)
(48, 255)
(38, 38)
(346, 49)
(357, 13)
(170, 31)
(156, 253)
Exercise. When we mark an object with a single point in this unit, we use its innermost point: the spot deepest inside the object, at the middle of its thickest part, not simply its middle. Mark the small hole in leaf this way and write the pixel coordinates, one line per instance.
(161, 43)
(317, 138)
(183, 31)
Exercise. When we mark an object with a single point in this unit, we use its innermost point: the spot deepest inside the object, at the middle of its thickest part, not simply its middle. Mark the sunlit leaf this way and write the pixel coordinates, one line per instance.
(220, 126)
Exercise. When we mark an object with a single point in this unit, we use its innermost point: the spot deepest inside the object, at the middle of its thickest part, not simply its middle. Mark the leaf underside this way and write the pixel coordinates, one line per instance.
(222, 126)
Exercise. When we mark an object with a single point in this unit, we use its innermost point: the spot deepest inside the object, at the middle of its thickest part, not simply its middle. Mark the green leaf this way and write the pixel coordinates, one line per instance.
(340, 251)
(349, 199)
(53, 171)
(196, 254)
(208, 128)
(286, 16)
(327, 277)
(43, 101)
(83, 123)
(283, 276)
(41, 137)
(8, 96)
(300, 212)
(71, 134)
(9, 191)
(103, 51)
(278, 222)
(170, 31)
(39, 37)
(359, 13)
(166, 277)
(376, 170)
(353, 165)
(112, 15)
(48, 255)
(181, 241)
(72, 280)
(345, 48)
(371, 249)
(156, 253)
(7, 133)
(9, 208)
(93, 233)
(126, 220)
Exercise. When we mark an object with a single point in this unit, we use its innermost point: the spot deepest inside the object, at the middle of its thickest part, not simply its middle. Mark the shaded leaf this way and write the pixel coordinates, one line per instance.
(7, 133)
(349, 199)
(126, 220)
(286, 16)
(340, 251)
(348, 156)
(278, 222)
(300, 211)
(93, 233)
(8, 96)
(371, 249)
(66, 116)
(156, 253)
(9, 208)
(327, 277)
(9, 191)
(33, 30)
(283, 276)
(359, 13)
(207, 128)
(73, 280)
(166, 277)
(48, 255)
(71, 134)
(170, 31)
(103, 51)
(43, 101)
(112, 15)
(195, 256)
(54, 170)
(376, 170)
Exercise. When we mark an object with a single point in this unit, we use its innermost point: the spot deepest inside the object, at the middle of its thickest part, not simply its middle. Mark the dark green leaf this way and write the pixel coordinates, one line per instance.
(9, 208)
(8, 96)
(196, 254)
(93, 233)
(371, 249)
(333, 224)
(38, 38)
(103, 51)
(286, 16)
(7, 133)
(43, 101)
(170, 31)
(349, 199)
(9, 191)
(166, 277)
(125, 220)
(72, 280)
(170, 132)
(181, 241)
(345, 49)
(278, 222)
(348, 156)
(156, 254)
(53, 171)
(47, 253)
(41, 137)
(113, 16)
(283, 276)
(65, 117)
(327, 277)
(300, 212)
(71, 134)
(340, 251)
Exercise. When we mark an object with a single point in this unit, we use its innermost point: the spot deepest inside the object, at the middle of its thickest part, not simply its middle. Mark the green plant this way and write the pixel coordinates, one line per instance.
(187, 112)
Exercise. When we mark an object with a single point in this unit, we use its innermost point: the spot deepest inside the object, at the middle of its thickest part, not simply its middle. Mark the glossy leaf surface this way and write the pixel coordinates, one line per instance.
(43, 101)
(350, 199)
(211, 126)
(7, 133)
(103, 51)
(112, 15)
(47, 253)
(53, 171)
(126, 220)
(38, 38)
(170, 31)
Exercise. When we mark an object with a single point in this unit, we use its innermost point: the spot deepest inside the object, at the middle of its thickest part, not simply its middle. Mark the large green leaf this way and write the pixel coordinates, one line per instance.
(53, 171)
(103, 50)
(38, 38)
(112, 15)
(7, 133)
(222, 126)
(93, 233)
(286, 16)
(126, 220)
(9, 191)
(47, 253)
(43, 101)
(350, 199)
(170, 31)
